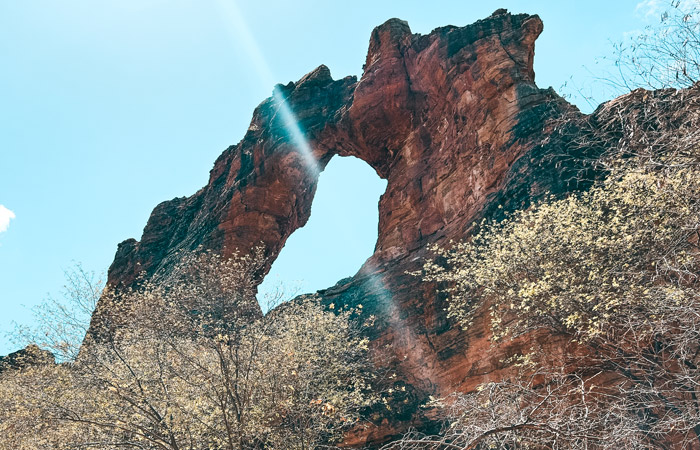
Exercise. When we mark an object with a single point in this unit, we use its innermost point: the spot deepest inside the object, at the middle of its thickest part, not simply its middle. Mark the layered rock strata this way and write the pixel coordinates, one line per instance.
(455, 123)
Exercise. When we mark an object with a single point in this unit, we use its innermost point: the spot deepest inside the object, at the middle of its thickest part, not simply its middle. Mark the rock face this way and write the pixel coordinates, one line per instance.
(442, 117)
(452, 120)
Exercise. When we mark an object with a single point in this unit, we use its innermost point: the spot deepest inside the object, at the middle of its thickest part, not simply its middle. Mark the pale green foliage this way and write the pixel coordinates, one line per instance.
(192, 363)
(27, 414)
(617, 271)
(580, 264)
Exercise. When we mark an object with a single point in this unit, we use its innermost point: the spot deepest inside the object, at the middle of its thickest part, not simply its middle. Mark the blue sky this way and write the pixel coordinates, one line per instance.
(108, 108)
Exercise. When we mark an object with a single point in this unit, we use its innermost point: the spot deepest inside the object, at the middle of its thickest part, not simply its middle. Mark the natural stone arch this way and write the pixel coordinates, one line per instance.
(452, 120)
(426, 115)
(340, 235)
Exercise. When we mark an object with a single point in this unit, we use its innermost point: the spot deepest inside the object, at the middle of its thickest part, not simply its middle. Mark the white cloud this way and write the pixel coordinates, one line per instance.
(5, 216)
(653, 9)
(650, 8)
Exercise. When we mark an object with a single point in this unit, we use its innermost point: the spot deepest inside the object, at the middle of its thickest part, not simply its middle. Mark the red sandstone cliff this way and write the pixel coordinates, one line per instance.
(452, 120)
(442, 117)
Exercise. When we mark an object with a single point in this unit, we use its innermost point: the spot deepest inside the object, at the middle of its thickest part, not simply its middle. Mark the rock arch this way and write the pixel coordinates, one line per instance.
(452, 120)
(338, 238)
(442, 117)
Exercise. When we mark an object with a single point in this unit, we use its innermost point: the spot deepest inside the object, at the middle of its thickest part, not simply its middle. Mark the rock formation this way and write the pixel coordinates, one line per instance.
(29, 356)
(442, 117)
(455, 123)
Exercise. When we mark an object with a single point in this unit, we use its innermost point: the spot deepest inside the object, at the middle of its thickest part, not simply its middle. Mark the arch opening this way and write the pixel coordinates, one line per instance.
(339, 236)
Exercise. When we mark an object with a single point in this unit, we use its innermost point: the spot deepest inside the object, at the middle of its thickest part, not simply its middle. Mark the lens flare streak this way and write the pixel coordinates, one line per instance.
(417, 353)
(242, 36)
(291, 123)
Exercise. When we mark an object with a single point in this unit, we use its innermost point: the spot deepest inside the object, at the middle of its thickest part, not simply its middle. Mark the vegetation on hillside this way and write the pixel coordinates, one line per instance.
(616, 271)
(611, 276)
(191, 363)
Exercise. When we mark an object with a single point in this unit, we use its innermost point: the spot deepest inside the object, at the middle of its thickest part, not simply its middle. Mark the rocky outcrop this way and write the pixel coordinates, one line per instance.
(29, 356)
(442, 117)
(454, 122)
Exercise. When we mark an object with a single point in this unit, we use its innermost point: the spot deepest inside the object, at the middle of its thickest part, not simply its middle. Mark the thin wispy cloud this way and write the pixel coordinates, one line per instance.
(5, 216)
(654, 9)
(648, 9)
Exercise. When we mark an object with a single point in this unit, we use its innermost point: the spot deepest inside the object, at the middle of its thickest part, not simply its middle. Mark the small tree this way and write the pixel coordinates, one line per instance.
(62, 323)
(617, 271)
(655, 119)
(193, 363)
(525, 413)
(663, 55)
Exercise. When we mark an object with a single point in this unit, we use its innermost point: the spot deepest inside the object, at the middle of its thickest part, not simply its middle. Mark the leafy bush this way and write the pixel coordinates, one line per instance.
(587, 264)
(191, 362)
(616, 270)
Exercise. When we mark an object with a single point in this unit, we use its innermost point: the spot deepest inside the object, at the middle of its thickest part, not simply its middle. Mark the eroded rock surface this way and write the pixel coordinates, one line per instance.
(455, 123)
(442, 117)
